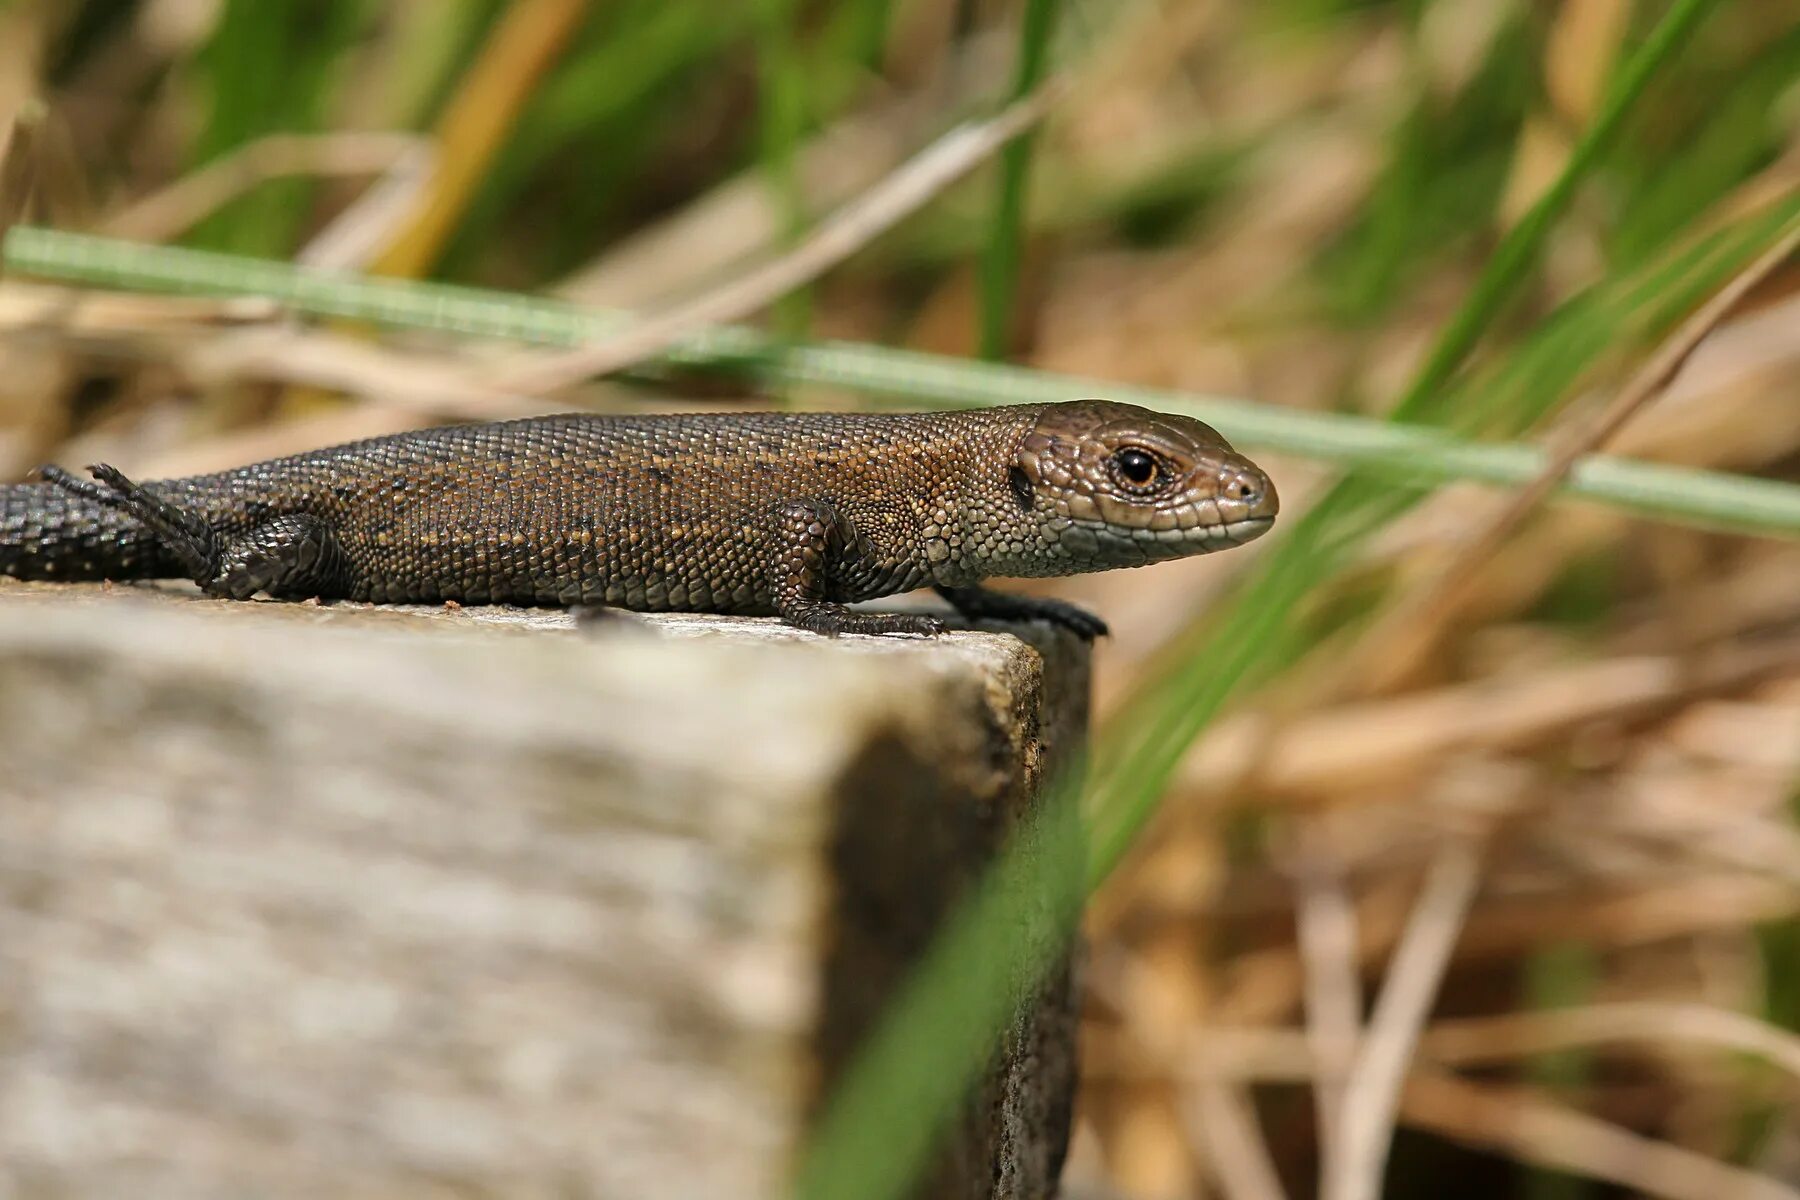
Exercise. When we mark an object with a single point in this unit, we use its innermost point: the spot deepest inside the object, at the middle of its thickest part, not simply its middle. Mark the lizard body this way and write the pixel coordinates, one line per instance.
(795, 514)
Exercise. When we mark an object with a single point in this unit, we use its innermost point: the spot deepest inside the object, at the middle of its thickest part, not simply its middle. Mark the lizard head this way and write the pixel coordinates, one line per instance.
(1114, 485)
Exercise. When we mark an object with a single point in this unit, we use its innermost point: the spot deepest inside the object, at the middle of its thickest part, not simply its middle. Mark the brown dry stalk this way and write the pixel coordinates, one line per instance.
(1247, 1055)
(1535, 1130)
(1327, 935)
(355, 236)
(1265, 986)
(738, 219)
(1220, 1118)
(441, 385)
(1368, 744)
(18, 166)
(1520, 1035)
(435, 384)
(184, 203)
(1515, 1121)
(902, 193)
(1393, 650)
(1372, 1093)
(529, 37)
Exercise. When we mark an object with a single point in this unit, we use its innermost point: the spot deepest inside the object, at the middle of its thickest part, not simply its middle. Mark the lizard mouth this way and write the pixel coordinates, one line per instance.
(1246, 530)
(1137, 547)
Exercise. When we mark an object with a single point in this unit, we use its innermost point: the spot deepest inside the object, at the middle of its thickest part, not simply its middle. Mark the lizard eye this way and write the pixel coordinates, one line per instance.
(1135, 468)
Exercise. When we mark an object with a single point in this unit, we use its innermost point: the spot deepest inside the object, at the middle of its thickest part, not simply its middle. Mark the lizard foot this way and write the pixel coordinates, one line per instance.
(979, 603)
(187, 536)
(834, 619)
(294, 555)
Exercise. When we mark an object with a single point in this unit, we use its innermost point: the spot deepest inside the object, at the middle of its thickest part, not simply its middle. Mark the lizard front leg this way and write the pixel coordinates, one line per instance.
(810, 533)
(294, 555)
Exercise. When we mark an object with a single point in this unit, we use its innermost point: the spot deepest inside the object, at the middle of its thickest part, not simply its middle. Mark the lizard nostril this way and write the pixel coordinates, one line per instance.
(1251, 488)
(1243, 487)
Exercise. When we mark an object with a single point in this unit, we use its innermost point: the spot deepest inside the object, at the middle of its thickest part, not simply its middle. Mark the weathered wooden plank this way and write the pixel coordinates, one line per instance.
(303, 901)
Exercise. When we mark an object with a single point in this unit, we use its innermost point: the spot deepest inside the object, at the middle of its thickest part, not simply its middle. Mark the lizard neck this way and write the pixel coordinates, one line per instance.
(974, 525)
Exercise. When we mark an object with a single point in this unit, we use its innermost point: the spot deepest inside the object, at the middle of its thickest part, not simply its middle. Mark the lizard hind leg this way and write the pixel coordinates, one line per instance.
(294, 555)
(291, 557)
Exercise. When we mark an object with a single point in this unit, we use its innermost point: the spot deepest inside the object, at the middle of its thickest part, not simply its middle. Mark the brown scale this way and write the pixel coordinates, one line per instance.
(795, 514)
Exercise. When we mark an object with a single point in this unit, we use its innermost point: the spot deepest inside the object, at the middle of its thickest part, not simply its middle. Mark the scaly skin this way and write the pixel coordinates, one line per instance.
(753, 513)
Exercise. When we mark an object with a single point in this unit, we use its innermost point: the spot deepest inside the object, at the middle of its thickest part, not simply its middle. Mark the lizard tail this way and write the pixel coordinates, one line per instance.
(49, 533)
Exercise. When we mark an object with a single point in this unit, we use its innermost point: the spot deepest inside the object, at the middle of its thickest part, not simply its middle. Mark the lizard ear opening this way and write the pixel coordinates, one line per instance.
(1021, 486)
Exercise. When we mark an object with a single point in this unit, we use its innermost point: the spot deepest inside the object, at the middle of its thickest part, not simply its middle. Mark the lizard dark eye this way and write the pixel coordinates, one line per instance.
(1136, 468)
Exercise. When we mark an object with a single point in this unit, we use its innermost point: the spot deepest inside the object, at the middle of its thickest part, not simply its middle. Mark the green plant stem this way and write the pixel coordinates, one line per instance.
(1416, 455)
(782, 115)
(866, 31)
(1006, 238)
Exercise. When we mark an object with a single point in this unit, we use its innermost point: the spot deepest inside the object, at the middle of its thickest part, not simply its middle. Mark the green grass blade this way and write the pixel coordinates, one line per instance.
(1006, 237)
(911, 1075)
(1417, 455)
(1130, 785)
(262, 76)
(781, 83)
(1518, 251)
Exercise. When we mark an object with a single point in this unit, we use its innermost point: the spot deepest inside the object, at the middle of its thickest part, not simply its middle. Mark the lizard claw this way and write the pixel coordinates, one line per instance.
(85, 488)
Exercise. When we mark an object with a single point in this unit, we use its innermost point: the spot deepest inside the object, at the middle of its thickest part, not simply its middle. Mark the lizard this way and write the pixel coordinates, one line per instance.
(786, 513)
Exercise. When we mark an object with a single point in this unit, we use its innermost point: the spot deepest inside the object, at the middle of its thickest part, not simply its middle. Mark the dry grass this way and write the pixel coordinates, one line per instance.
(1537, 813)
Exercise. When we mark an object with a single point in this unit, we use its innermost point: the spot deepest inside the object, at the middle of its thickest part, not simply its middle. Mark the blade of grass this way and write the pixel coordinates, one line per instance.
(781, 112)
(623, 68)
(863, 27)
(1408, 632)
(1518, 251)
(270, 68)
(1000, 265)
(1640, 306)
(426, 43)
(907, 1080)
(1732, 130)
(612, 105)
(1167, 722)
(1355, 509)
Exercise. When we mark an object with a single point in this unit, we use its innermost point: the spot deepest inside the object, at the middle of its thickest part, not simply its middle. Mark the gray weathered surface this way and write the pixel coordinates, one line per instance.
(349, 902)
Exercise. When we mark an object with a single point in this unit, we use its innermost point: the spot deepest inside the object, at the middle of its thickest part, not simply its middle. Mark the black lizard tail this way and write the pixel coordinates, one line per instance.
(49, 533)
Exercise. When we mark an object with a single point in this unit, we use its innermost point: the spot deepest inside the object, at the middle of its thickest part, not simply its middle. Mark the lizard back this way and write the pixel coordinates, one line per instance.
(653, 512)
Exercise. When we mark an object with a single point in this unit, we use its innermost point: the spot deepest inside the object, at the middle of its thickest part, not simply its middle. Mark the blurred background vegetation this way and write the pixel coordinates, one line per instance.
(1584, 758)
